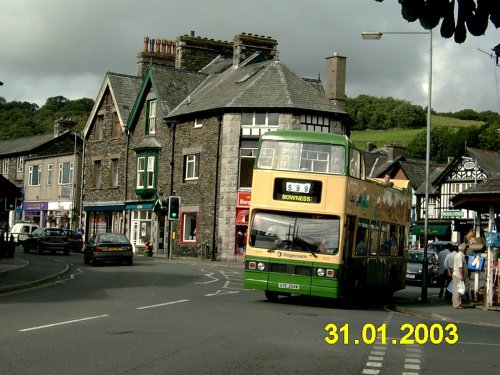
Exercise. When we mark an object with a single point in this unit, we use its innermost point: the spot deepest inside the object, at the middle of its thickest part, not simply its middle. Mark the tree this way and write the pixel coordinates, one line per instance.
(472, 15)
(440, 150)
(489, 139)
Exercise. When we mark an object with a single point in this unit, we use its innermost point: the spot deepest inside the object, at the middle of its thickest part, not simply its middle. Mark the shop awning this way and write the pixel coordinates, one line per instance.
(432, 229)
(96, 207)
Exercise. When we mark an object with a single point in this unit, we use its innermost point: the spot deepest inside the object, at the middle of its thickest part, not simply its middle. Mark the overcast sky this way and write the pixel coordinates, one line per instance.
(65, 47)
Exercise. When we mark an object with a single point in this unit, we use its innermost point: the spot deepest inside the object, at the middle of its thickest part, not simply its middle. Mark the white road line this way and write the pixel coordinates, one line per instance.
(61, 323)
(161, 304)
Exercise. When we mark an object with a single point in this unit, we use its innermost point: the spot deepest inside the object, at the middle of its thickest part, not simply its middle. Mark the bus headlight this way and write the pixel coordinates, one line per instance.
(261, 266)
(320, 272)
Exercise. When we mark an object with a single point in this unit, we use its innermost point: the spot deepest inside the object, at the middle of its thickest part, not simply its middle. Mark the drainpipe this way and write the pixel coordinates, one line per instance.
(169, 235)
(216, 191)
(124, 229)
(82, 174)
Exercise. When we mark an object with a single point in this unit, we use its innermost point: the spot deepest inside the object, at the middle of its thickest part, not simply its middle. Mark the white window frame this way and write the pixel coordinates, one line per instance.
(257, 128)
(198, 122)
(146, 172)
(20, 164)
(5, 166)
(150, 175)
(140, 172)
(151, 117)
(187, 219)
(191, 167)
(49, 174)
(61, 173)
(32, 175)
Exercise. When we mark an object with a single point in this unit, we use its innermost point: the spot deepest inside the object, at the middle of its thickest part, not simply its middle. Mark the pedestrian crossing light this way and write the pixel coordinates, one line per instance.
(174, 207)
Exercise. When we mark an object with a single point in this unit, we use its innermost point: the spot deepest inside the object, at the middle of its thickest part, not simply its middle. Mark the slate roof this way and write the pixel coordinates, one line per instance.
(175, 85)
(480, 197)
(171, 87)
(23, 145)
(378, 164)
(268, 84)
(124, 89)
(489, 161)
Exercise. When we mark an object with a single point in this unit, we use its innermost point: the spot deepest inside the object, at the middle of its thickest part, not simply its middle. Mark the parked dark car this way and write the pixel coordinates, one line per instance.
(108, 247)
(414, 267)
(47, 239)
(75, 240)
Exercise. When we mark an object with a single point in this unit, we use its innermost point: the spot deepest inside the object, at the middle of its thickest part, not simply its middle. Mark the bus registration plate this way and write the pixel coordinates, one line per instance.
(298, 187)
(288, 286)
(410, 276)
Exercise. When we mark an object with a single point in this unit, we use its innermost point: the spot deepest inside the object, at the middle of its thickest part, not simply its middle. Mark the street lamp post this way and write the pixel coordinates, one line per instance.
(376, 35)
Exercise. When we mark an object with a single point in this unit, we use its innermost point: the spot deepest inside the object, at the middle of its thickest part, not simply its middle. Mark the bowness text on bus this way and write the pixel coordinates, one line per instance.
(320, 227)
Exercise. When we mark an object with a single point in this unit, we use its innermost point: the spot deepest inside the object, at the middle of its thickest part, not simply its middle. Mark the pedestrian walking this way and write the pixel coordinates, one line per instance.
(448, 265)
(444, 275)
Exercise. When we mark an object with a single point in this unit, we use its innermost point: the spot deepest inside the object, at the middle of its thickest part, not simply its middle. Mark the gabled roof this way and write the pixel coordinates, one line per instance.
(23, 145)
(123, 89)
(378, 164)
(170, 87)
(267, 84)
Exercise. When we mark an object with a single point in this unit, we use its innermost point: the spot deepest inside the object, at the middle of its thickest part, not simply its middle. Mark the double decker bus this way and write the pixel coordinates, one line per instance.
(318, 226)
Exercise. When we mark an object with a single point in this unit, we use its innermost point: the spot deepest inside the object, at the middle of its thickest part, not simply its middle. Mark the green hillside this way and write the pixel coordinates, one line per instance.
(404, 136)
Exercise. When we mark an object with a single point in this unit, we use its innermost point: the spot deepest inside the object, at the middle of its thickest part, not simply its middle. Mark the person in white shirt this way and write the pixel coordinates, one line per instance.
(459, 269)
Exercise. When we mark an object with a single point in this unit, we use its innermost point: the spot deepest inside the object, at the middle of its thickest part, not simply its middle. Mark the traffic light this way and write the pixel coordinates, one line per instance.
(10, 204)
(174, 207)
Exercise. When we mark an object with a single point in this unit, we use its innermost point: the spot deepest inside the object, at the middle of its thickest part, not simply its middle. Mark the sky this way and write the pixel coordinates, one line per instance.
(65, 47)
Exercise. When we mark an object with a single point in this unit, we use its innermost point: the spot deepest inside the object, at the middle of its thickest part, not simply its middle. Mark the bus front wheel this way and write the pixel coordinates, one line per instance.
(271, 296)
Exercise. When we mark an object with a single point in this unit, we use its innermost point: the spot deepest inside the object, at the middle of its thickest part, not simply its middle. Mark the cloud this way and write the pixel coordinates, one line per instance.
(65, 47)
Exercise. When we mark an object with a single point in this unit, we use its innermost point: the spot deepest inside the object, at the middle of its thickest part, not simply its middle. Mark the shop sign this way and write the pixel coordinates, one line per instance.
(243, 199)
(452, 213)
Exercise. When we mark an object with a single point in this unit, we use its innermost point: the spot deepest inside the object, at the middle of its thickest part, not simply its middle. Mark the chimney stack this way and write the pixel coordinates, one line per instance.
(62, 125)
(155, 51)
(393, 151)
(244, 45)
(335, 73)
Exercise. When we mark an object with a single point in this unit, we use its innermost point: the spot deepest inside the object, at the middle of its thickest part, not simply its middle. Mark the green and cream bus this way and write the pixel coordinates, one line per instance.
(318, 226)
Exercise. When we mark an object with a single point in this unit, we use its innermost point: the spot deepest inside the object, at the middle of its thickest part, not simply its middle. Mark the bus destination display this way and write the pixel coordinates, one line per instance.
(304, 191)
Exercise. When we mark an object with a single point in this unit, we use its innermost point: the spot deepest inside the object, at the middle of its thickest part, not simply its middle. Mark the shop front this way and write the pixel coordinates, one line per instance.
(142, 230)
(242, 213)
(103, 217)
(60, 214)
(36, 212)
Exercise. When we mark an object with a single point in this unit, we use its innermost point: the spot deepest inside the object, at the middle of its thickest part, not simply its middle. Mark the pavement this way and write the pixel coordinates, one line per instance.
(27, 271)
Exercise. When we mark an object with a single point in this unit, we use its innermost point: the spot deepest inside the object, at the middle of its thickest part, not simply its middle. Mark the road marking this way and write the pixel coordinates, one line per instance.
(162, 304)
(71, 277)
(61, 323)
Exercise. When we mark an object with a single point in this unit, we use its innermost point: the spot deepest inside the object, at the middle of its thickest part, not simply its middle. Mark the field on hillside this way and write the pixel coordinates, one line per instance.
(404, 136)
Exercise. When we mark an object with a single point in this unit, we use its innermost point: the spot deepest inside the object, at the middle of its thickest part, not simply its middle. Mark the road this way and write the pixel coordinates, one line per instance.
(195, 318)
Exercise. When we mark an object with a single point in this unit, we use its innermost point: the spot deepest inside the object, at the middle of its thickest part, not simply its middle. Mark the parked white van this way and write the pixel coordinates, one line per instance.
(20, 231)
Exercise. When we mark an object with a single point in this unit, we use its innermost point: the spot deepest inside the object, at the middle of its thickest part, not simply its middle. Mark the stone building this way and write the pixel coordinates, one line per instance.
(193, 131)
(106, 154)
